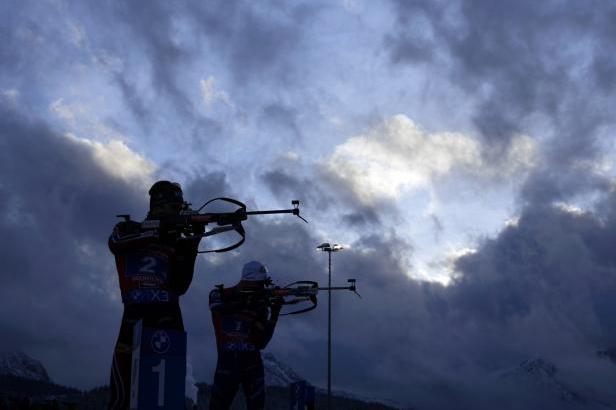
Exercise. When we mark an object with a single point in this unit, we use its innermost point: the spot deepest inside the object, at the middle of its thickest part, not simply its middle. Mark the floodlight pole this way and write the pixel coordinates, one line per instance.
(329, 331)
(326, 247)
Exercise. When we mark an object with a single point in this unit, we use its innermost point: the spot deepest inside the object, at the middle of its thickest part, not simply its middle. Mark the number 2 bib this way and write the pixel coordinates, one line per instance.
(147, 277)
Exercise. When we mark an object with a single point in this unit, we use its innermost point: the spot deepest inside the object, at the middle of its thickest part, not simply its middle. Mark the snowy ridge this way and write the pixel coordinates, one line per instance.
(21, 365)
(277, 373)
(540, 373)
(537, 379)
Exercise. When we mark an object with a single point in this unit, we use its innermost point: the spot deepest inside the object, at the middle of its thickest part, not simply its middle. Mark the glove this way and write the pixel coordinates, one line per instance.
(198, 229)
(277, 301)
(276, 304)
(167, 228)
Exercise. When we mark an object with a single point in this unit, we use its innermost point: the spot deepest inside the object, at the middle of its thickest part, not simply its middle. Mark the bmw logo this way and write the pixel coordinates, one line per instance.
(160, 342)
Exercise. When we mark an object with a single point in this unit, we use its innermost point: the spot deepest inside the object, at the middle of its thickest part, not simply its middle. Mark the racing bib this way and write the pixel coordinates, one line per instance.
(146, 275)
(147, 265)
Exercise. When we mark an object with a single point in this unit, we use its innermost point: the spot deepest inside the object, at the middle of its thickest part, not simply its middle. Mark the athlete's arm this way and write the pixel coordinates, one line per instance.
(267, 329)
(127, 236)
(186, 255)
(224, 302)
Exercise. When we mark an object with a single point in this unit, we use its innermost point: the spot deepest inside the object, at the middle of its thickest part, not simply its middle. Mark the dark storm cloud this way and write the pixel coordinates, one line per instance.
(152, 53)
(539, 289)
(542, 288)
(561, 184)
(283, 117)
(547, 280)
(35, 55)
(325, 193)
(518, 58)
(133, 100)
(257, 42)
(206, 186)
(152, 22)
(143, 36)
(47, 174)
(252, 42)
(522, 59)
(284, 184)
(57, 209)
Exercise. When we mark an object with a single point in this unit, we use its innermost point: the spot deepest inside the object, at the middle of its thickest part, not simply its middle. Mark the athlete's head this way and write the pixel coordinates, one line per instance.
(165, 199)
(254, 273)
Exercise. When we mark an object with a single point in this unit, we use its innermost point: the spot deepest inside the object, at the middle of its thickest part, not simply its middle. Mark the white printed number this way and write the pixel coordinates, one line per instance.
(160, 369)
(148, 265)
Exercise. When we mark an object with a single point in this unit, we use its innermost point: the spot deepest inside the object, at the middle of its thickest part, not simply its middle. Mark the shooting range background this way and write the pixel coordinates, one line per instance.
(462, 151)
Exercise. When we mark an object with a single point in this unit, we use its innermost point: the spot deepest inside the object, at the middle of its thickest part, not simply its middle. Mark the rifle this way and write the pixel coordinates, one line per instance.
(190, 224)
(294, 293)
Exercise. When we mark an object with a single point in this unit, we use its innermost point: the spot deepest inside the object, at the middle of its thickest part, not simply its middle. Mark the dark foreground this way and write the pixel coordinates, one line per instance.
(19, 393)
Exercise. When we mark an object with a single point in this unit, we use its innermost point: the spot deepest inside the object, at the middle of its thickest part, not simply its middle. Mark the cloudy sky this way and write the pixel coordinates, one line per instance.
(462, 151)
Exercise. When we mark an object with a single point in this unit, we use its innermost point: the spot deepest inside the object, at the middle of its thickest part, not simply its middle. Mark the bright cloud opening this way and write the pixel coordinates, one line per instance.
(119, 160)
(398, 156)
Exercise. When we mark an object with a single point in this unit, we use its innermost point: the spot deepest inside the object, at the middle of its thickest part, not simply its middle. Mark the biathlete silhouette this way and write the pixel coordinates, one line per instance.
(155, 267)
(244, 319)
(155, 262)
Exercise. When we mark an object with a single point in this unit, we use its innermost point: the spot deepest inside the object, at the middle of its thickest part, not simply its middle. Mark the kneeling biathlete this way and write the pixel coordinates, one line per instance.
(244, 325)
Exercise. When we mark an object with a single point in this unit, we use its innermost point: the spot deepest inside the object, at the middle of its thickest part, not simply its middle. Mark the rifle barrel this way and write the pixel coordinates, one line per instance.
(337, 288)
(275, 211)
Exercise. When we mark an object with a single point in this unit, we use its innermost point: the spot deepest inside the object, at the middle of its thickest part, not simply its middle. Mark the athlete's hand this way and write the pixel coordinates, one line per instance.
(167, 226)
(198, 229)
(276, 304)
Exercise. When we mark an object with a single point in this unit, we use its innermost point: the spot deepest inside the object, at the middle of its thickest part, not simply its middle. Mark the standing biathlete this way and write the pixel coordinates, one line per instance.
(243, 324)
(154, 270)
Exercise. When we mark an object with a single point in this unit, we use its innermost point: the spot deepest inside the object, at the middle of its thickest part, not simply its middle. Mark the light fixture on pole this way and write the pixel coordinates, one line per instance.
(326, 247)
